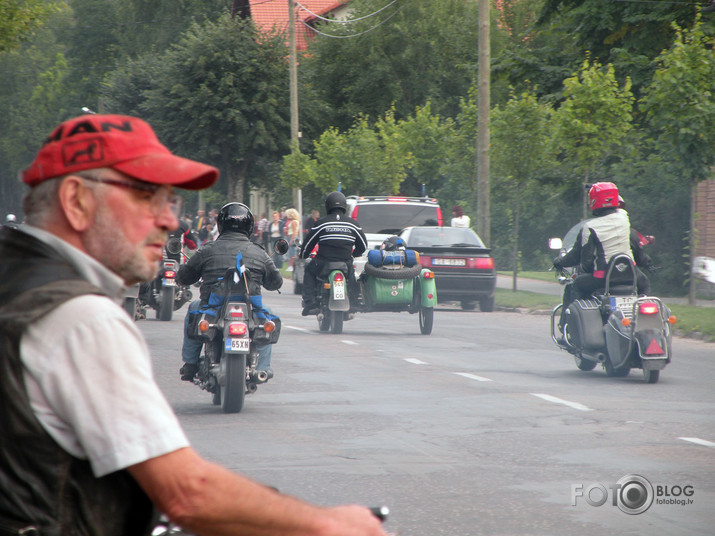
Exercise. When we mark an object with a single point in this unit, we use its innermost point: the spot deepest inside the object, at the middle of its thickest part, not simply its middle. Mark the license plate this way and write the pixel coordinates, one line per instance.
(338, 291)
(169, 282)
(622, 302)
(449, 262)
(238, 345)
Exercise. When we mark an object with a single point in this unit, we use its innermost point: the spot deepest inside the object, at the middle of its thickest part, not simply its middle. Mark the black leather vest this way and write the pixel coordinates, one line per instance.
(45, 490)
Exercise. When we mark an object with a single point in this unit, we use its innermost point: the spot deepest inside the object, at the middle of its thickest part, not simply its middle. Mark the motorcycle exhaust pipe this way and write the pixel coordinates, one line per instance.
(259, 376)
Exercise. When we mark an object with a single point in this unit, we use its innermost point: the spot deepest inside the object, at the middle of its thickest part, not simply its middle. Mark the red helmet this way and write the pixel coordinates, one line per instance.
(602, 195)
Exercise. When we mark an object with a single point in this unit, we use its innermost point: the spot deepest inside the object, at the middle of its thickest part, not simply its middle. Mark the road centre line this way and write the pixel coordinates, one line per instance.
(473, 377)
(415, 361)
(295, 328)
(555, 400)
(698, 441)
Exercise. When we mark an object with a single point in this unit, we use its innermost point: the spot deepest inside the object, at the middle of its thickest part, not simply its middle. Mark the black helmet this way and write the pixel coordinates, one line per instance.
(335, 201)
(393, 243)
(235, 217)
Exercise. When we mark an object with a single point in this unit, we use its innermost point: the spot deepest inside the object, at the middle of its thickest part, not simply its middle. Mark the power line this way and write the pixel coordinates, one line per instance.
(345, 21)
(324, 34)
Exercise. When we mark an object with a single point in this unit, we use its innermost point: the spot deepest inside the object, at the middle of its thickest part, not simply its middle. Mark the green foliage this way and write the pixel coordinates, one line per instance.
(20, 18)
(409, 54)
(222, 96)
(680, 103)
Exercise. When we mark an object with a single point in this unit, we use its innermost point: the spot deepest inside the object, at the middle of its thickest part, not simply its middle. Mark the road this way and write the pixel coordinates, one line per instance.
(483, 427)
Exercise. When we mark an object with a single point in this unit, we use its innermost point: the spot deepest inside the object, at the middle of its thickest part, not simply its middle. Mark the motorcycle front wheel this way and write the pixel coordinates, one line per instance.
(232, 390)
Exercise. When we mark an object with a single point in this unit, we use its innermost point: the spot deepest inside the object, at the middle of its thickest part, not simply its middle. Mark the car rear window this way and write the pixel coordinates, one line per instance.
(443, 236)
(391, 218)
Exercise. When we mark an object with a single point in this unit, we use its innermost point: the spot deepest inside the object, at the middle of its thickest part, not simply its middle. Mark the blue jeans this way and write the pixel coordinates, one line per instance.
(191, 349)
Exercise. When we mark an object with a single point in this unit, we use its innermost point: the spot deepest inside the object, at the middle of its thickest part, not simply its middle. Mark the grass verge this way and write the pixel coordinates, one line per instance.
(695, 322)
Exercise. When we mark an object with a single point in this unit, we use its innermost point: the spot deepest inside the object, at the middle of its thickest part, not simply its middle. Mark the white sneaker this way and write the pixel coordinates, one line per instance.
(290, 268)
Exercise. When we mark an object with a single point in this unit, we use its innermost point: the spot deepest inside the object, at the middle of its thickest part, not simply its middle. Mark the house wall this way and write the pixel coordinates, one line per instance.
(705, 219)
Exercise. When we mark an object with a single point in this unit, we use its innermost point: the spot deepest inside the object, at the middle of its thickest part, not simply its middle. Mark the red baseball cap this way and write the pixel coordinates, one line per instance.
(126, 144)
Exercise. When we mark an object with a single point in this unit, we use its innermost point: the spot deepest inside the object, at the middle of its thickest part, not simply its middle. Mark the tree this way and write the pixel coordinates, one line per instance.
(402, 57)
(593, 120)
(222, 97)
(680, 107)
(20, 18)
(520, 153)
(364, 160)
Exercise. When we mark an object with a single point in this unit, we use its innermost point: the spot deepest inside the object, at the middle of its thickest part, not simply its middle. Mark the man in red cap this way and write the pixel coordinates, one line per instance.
(89, 445)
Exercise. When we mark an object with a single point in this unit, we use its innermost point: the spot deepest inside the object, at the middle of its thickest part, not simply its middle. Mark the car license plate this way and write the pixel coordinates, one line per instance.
(338, 291)
(169, 282)
(238, 345)
(449, 262)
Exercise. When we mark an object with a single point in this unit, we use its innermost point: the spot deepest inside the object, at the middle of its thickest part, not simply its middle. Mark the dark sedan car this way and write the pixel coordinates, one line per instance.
(463, 267)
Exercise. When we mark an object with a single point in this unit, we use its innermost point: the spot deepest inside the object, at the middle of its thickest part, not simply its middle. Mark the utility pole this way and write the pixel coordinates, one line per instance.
(294, 128)
(483, 104)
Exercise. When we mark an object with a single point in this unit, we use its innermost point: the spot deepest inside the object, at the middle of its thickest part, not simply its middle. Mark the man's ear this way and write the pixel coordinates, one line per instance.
(78, 203)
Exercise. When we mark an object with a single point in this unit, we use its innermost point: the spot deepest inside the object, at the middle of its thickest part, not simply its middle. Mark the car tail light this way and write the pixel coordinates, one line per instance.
(237, 329)
(339, 277)
(269, 326)
(440, 220)
(425, 261)
(481, 263)
(355, 213)
(169, 274)
(648, 308)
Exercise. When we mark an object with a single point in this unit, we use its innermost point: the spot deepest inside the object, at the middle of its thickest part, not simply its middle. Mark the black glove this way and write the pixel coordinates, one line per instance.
(558, 263)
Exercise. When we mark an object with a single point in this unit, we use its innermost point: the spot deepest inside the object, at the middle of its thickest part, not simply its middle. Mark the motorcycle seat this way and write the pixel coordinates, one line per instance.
(333, 265)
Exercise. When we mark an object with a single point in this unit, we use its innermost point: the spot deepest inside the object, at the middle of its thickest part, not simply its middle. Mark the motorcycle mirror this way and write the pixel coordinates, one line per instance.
(173, 245)
(555, 243)
(281, 246)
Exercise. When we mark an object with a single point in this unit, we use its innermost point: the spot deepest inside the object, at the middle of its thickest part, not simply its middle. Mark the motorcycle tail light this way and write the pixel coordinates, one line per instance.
(339, 277)
(648, 308)
(204, 325)
(269, 326)
(237, 329)
(429, 275)
(170, 274)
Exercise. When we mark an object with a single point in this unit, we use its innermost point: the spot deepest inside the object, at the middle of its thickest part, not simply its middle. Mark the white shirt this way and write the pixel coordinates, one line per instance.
(89, 377)
(461, 221)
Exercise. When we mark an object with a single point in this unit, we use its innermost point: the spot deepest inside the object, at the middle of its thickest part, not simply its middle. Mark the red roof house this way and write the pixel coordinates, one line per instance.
(272, 15)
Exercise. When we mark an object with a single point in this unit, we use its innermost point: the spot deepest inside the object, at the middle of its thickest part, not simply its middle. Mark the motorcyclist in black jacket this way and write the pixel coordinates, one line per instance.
(235, 224)
(339, 238)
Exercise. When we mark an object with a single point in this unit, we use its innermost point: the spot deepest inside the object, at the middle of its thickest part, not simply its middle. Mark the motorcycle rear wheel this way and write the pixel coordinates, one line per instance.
(336, 322)
(166, 305)
(233, 391)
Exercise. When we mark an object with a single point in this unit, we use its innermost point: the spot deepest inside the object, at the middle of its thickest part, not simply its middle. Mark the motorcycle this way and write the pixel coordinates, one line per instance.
(163, 294)
(232, 326)
(392, 281)
(615, 326)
